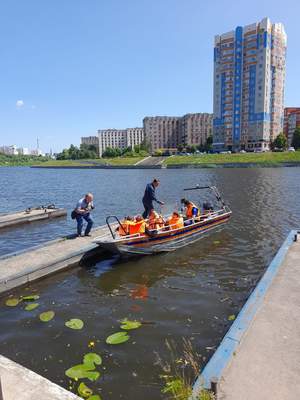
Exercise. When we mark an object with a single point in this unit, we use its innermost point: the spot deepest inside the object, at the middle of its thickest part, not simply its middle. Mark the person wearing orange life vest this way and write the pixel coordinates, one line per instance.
(124, 229)
(175, 221)
(138, 226)
(191, 210)
(155, 220)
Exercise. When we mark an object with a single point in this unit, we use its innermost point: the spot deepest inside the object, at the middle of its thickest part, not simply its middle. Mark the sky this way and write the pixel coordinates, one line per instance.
(68, 68)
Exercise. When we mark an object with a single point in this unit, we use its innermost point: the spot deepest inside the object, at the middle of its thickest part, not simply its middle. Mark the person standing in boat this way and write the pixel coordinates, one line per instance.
(83, 212)
(149, 197)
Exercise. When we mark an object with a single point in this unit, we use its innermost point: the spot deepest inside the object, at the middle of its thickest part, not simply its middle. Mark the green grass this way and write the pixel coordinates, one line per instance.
(98, 161)
(239, 158)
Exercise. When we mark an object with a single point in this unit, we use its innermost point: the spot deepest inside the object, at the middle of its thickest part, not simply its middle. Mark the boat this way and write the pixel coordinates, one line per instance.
(165, 239)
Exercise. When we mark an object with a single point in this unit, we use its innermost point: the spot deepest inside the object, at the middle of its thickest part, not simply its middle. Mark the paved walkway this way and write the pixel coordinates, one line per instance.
(266, 365)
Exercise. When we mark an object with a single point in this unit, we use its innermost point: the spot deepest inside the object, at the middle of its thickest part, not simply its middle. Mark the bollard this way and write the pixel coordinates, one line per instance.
(214, 385)
(1, 393)
(296, 237)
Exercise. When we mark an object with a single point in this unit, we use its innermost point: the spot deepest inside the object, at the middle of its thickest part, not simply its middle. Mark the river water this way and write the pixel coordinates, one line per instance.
(188, 294)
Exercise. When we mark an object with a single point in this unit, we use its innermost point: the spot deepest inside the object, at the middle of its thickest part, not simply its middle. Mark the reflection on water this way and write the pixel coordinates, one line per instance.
(189, 293)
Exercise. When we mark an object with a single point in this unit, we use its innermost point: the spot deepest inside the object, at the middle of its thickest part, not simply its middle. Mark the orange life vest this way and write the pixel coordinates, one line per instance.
(189, 211)
(137, 227)
(176, 222)
(125, 225)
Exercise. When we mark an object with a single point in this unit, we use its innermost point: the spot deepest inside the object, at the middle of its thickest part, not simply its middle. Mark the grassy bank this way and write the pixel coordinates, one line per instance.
(99, 161)
(239, 158)
(14, 161)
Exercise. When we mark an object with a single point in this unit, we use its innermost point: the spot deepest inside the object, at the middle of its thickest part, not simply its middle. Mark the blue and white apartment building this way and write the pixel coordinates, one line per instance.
(249, 76)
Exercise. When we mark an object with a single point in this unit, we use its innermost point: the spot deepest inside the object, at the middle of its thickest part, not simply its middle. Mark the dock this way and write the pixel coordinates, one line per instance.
(26, 266)
(259, 357)
(24, 217)
(18, 382)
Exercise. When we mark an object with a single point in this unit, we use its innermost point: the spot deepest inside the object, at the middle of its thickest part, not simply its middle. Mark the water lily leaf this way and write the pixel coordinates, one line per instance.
(91, 359)
(13, 302)
(74, 323)
(78, 371)
(47, 316)
(128, 325)
(231, 317)
(117, 338)
(84, 391)
(94, 397)
(31, 306)
(81, 371)
(31, 297)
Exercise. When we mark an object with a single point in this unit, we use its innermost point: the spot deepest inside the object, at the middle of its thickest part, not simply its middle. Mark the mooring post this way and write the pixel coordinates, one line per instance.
(214, 385)
(296, 237)
(1, 393)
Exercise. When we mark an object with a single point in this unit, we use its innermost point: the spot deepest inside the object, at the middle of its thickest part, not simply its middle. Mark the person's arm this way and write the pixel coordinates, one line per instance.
(153, 197)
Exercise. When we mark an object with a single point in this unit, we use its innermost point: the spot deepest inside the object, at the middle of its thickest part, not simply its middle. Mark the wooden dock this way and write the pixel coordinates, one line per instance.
(24, 217)
(20, 268)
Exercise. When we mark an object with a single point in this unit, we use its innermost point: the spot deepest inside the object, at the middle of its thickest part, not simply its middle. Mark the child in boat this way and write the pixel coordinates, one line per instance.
(175, 221)
(155, 221)
(137, 226)
(192, 212)
(124, 229)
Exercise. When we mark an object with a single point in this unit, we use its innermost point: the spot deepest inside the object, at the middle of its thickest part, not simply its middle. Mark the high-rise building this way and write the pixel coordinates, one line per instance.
(291, 122)
(167, 133)
(249, 76)
(119, 138)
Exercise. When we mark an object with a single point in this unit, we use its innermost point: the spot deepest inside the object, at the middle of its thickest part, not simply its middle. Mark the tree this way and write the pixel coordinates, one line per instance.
(296, 139)
(180, 148)
(209, 142)
(280, 142)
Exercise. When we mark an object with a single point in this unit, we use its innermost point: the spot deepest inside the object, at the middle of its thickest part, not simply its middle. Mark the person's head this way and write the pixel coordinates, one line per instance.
(155, 182)
(176, 214)
(185, 202)
(89, 197)
(139, 218)
(129, 218)
(153, 214)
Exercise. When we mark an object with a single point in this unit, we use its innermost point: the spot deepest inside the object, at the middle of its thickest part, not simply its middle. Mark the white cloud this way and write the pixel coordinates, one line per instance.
(19, 103)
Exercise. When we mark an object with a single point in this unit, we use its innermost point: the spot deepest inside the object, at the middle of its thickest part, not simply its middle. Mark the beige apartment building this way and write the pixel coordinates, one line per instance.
(119, 138)
(91, 140)
(167, 133)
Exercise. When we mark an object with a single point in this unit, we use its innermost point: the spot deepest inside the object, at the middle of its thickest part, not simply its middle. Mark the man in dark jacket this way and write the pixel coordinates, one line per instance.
(149, 197)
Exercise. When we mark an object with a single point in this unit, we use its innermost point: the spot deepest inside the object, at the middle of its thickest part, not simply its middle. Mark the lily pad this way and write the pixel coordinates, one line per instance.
(74, 323)
(231, 317)
(47, 316)
(117, 338)
(13, 302)
(81, 371)
(128, 325)
(94, 397)
(31, 306)
(84, 390)
(90, 359)
(31, 297)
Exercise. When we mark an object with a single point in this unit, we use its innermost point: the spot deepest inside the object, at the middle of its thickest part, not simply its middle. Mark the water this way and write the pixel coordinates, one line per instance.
(186, 294)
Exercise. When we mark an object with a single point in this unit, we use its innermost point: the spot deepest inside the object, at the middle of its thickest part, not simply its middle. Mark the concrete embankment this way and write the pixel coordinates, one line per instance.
(24, 217)
(259, 357)
(19, 383)
(20, 268)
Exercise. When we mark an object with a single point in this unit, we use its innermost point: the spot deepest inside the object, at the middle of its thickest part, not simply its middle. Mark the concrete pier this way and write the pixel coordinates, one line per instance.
(24, 217)
(21, 268)
(18, 382)
(259, 357)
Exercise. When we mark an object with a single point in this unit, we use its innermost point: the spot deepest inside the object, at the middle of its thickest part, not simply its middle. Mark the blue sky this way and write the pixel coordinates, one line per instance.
(82, 65)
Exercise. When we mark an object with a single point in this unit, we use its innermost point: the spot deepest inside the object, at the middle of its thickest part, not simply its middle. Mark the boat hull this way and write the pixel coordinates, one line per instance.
(165, 241)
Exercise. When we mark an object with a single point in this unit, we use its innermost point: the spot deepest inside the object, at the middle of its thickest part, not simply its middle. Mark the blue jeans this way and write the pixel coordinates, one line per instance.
(88, 219)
